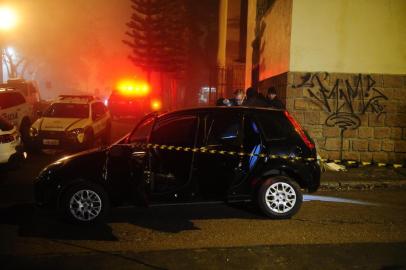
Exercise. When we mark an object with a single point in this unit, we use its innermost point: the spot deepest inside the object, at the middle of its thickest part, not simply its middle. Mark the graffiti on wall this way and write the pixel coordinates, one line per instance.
(343, 99)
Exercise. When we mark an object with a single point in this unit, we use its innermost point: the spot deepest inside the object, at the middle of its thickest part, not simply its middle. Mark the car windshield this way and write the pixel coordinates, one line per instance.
(67, 110)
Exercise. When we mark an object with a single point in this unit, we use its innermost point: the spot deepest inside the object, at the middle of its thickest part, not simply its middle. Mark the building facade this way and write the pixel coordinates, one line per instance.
(340, 68)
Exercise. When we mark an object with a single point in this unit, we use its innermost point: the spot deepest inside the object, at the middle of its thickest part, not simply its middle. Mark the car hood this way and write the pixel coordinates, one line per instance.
(58, 124)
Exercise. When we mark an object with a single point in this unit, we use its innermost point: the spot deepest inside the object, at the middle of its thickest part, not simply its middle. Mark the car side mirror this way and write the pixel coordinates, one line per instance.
(119, 150)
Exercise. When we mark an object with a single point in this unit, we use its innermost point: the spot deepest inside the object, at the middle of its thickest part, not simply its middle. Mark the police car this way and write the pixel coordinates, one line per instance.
(72, 122)
(10, 143)
(15, 109)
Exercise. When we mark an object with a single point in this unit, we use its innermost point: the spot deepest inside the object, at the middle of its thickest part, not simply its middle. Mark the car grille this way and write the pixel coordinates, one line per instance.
(52, 134)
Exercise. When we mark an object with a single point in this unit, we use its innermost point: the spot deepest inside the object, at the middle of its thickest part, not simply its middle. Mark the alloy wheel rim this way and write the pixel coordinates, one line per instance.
(85, 205)
(280, 197)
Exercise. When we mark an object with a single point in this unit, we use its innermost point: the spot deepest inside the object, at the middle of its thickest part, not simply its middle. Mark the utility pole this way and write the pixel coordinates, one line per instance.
(1, 62)
(221, 49)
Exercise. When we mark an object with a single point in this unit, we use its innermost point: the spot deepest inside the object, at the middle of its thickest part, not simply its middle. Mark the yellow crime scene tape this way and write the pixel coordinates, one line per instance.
(350, 163)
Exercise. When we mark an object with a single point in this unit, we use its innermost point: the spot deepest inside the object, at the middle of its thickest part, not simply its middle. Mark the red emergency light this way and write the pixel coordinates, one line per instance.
(156, 104)
(133, 88)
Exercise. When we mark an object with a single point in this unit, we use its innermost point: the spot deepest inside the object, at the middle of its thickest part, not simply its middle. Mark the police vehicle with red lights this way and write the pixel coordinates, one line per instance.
(132, 98)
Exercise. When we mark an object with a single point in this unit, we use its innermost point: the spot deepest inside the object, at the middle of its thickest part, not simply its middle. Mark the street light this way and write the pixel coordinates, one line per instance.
(8, 20)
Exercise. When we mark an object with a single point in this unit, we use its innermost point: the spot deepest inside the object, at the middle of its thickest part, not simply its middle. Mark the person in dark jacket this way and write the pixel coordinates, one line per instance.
(254, 99)
(273, 100)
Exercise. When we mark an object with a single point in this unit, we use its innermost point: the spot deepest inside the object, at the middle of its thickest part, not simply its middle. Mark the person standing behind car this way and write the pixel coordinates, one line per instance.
(238, 98)
(273, 100)
(254, 99)
(235, 101)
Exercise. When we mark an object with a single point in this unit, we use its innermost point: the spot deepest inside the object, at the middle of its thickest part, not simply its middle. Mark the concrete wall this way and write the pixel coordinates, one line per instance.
(233, 31)
(274, 33)
(350, 36)
(251, 16)
(346, 76)
(370, 109)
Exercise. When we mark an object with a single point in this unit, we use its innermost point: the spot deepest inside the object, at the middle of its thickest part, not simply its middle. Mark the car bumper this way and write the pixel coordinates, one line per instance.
(10, 152)
(56, 140)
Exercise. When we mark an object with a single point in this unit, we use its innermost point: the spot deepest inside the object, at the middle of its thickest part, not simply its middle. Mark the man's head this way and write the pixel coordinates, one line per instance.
(251, 92)
(239, 96)
(271, 94)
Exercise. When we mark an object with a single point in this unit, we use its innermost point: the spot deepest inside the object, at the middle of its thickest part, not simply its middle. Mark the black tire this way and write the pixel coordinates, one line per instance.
(285, 190)
(96, 194)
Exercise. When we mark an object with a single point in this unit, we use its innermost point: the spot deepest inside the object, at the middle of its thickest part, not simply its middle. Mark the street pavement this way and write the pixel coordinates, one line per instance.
(367, 231)
(355, 226)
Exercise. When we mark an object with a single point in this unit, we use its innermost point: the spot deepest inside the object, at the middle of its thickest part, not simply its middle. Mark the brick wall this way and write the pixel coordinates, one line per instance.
(368, 110)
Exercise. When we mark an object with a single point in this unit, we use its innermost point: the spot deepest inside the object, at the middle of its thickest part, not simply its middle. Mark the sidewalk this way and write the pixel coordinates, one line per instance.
(367, 177)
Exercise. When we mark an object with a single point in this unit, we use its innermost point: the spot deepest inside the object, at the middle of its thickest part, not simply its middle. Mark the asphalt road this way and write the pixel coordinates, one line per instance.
(333, 230)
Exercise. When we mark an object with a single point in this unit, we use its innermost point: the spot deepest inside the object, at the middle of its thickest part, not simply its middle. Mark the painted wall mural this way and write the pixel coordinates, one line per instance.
(344, 100)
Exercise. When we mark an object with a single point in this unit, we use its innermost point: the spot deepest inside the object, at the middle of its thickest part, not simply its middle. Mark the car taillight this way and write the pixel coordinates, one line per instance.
(6, 138)
(299, 130)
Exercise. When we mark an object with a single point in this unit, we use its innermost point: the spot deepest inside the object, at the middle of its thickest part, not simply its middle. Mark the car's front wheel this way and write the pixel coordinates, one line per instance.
(85, 203)
(280, 197)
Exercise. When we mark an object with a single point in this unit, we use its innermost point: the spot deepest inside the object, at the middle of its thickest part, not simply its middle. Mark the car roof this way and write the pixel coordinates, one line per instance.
(221, 109)
(76, 99)
(9, 90)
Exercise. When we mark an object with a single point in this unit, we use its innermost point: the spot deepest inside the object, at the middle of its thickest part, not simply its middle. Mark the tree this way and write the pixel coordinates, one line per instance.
(158, 33)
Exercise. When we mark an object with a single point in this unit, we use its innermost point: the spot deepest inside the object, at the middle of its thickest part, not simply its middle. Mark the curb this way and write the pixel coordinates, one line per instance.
(361, 185)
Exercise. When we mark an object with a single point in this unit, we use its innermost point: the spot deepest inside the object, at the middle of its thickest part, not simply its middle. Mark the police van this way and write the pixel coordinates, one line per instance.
(72, 122)
(15, 108)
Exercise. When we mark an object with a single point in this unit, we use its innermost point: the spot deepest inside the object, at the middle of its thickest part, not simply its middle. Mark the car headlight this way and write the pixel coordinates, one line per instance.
(75, 132)
(33, 132)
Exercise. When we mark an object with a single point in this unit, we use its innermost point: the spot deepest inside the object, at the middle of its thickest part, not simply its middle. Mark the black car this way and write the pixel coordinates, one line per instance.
(201, 154)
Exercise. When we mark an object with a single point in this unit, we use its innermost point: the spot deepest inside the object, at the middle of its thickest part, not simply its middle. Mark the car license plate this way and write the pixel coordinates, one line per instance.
(50, 142)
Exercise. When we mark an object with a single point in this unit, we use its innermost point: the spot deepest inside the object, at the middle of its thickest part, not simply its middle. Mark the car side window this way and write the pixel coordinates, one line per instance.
(224, 130)
(98, 110)
(8, 100)
(275, 125)
(140, 135)
(178, 131)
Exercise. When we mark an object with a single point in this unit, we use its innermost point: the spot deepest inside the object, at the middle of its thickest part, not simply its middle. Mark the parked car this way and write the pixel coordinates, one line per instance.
(15, 108)
(72, 122)
(189, 155)
(11, 150)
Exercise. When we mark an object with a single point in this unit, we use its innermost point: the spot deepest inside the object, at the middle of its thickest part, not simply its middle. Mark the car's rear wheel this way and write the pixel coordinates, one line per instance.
(280, 197)
(85, 203)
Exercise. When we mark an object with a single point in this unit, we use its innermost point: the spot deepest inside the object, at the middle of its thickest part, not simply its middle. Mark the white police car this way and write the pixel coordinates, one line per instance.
(15, 109)
(10, 143)
(72, 122)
